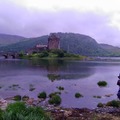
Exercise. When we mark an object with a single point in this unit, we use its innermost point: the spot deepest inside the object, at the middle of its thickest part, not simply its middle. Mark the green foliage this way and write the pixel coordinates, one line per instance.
(55, 99)
(42, 54)
(1, 112)
(78, 95)
(100, 105)
(25, 98)
(53, 77)
(14, 110)
(14, 87)
(17, 98)
(58, 52)
(45, 53)
(21, 54)
(113, 103)
(31, 89)
(18, 111)
(54, 93)
(36, 113)
(42, 95)
(60, 88)
(102, 83)
(97, 96)
(55, 53)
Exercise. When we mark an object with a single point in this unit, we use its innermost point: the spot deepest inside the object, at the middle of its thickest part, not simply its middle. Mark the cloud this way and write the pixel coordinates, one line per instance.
(29, 20)
(80, 5)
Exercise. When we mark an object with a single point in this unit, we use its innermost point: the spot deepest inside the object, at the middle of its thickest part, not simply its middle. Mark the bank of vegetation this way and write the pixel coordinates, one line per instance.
(52, 54)
(19, 111)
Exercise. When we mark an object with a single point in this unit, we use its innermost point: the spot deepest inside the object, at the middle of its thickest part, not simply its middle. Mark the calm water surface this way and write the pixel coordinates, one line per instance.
(20, 76)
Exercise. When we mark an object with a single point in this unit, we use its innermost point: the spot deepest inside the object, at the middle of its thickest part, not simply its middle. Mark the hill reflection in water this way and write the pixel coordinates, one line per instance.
(64, 69)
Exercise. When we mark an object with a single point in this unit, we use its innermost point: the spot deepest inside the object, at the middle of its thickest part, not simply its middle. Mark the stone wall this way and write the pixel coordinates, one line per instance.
(53, 41)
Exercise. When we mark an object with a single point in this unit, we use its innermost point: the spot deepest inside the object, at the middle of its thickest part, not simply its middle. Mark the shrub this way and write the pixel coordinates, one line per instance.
(17, 98)
(100, 105)
(15, 85)
(102, 83)
(43, 54)
(53, 77)
(42, 95)
(25, 98)
(55, 99)
(29, 56)
(21, 54)
(60, 54)
(57, 52)
(97, 96)
(60, 88)
(18, 111)
(16, 107)
(31, 89)
(36, 113)
(55, 93)
(1, 112)
(78, 95)
(113, 103)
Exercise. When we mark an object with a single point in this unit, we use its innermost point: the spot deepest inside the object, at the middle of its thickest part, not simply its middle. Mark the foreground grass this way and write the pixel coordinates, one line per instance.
(112, 103)
(19, 111)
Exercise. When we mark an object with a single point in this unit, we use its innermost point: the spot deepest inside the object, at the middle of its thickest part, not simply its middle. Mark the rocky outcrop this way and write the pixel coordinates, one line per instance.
(3, 104)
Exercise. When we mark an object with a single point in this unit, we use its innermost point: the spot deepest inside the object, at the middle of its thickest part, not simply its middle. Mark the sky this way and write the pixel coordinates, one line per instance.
(99, 19)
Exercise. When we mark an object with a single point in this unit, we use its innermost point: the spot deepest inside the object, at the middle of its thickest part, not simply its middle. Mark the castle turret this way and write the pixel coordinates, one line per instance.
(53, 41)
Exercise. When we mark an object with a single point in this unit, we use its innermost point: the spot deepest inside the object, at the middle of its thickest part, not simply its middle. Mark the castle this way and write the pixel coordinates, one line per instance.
(53, 43)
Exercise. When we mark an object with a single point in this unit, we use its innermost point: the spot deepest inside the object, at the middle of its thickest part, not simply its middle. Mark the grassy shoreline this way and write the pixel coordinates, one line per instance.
(53, 54)
(20, 111)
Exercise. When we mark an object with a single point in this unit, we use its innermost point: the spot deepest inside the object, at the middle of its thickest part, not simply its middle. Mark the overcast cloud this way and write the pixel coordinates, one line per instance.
(99, 19)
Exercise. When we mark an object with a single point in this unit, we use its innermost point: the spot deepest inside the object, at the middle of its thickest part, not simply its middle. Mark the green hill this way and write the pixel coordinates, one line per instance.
(113, 51)
(80, 44)
(72, 43)
(6, 39)
(24, 45)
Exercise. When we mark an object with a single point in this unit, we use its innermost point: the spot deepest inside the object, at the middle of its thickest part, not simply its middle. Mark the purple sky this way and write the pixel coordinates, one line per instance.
(31, 18)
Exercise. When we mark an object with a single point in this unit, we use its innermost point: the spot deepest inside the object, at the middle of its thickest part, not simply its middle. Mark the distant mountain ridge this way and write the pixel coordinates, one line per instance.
(6, 39)
(114, 51)
(71, 42)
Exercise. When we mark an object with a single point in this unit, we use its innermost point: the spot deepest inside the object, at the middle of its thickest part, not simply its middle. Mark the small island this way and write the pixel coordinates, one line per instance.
(50, 51)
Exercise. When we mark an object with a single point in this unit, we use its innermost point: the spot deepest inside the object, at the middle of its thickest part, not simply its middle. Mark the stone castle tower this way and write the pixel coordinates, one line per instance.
(53, 41)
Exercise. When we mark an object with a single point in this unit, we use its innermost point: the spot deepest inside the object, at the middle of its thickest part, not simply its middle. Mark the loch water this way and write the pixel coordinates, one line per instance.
(29, 77)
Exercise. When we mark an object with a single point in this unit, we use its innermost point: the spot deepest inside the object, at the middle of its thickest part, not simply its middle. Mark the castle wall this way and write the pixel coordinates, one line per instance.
(53, 42)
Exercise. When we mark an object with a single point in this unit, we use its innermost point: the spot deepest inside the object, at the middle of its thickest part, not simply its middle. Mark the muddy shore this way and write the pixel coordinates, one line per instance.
(59, 113)
(108, 113)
